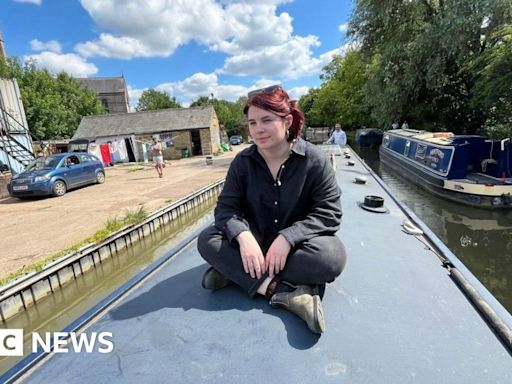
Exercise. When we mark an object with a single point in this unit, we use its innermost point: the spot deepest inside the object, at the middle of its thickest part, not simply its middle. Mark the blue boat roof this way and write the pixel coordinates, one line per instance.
(393, 316)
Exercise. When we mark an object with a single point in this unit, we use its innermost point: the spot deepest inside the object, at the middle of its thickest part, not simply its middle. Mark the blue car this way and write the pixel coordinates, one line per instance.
(236, 140)
(56, 174)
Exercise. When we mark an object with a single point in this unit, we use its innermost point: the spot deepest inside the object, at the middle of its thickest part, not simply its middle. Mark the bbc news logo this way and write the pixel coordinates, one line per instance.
(11, 342)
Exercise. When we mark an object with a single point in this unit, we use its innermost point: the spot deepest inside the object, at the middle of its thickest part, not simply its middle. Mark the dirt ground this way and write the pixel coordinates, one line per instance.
(32, 230)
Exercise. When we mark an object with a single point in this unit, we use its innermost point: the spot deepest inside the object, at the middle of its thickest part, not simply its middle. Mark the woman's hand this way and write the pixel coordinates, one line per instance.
(277, 255)
(250, 252)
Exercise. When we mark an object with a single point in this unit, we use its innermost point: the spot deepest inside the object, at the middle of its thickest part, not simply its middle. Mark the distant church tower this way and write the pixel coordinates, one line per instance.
(3, 55)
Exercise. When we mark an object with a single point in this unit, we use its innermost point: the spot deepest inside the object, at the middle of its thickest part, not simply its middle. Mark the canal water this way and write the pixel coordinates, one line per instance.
(74, 299)
(481, 239)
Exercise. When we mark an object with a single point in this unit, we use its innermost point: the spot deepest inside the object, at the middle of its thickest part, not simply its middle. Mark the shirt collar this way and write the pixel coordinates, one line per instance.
(299, 148)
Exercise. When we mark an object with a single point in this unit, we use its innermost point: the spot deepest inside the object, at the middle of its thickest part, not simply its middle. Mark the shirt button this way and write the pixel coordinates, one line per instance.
(275, 221)
(275, 184)
(275, 202)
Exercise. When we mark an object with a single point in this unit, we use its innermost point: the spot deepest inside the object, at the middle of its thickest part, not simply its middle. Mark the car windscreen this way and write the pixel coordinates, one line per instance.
(49, 162)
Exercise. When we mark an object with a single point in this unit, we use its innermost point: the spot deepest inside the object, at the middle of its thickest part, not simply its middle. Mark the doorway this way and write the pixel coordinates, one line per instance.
(196, 142)
(129, 150)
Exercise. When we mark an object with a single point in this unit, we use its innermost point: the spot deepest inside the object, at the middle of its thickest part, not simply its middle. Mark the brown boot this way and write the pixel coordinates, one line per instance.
(213, 280)
(304, 304)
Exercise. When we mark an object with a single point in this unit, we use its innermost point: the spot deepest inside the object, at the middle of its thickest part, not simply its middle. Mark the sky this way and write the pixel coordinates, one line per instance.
(187, 48)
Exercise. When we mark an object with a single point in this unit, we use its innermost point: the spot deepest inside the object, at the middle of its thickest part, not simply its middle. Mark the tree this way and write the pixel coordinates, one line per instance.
(418, 54)
(54, 105)
(200, 102)
(340, 98)
(230, 114)
(493, 83)
(152, 99)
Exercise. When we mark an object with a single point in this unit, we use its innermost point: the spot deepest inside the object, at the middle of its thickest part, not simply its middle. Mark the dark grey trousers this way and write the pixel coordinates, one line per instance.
(313, 262)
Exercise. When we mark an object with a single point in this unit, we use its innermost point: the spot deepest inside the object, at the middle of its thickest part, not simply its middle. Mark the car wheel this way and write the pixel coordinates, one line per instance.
(100, 177)
(59, 188)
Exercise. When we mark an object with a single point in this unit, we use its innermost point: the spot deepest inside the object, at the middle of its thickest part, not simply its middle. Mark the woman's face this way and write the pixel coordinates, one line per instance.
(266, 128)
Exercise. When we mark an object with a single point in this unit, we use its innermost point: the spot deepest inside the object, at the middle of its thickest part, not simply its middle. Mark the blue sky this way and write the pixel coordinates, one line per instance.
(187, 48)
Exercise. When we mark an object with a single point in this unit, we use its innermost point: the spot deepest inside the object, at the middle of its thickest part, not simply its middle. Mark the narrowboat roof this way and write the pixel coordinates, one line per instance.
(440, 138)
(394, 316)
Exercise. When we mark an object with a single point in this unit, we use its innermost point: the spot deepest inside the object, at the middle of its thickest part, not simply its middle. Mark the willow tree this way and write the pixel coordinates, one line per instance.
(418, 54)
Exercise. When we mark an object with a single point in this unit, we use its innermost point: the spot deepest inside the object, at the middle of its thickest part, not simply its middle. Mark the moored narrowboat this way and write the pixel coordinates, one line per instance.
(468, 169)
(369, 137)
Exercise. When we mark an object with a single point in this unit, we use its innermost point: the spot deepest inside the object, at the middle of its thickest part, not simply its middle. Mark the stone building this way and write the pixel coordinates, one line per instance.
(111, 91)
(182, 131)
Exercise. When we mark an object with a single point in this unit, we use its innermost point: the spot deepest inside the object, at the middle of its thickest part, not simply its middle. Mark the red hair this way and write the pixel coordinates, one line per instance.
(279, 103)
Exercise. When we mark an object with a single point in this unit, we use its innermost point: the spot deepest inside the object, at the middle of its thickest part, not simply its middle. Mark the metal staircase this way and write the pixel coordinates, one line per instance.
(12, 135)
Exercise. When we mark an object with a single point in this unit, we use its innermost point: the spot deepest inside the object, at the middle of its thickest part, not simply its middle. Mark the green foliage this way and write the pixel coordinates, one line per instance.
(152, 99)
(493, 83)
(438, 64)
(340, 99)
(430, 62)
(230, 114)
(54, 105)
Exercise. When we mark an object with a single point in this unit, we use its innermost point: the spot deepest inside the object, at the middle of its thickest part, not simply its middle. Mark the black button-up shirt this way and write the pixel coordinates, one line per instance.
(301, 203)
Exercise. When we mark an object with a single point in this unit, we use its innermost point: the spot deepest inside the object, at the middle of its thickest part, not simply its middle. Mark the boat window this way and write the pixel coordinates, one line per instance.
(385, 142)
(407, 147)
(420, 151)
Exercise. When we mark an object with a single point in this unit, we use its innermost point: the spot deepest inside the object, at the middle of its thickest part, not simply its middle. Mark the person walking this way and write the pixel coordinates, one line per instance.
(277, 216)
(158, 158)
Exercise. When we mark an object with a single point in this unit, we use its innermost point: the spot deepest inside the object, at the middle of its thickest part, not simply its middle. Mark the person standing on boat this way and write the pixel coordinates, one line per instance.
(277, 216)
(338, 136)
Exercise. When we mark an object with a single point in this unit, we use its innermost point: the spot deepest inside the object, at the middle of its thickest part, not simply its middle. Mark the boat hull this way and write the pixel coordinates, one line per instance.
(368, 137)
(436, 184)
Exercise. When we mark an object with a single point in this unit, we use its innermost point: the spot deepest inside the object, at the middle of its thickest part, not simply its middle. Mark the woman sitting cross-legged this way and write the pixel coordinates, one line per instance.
(277, 216)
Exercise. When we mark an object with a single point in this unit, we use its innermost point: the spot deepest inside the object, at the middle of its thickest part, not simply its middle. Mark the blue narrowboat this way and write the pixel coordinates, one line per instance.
(369, 137)
(468, 169)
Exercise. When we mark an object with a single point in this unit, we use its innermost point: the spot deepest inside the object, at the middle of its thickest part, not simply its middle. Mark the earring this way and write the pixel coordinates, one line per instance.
(287, 133)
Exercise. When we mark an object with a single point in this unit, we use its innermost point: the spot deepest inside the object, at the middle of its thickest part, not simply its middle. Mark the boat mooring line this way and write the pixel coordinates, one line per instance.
(498, 318)
(24, 365)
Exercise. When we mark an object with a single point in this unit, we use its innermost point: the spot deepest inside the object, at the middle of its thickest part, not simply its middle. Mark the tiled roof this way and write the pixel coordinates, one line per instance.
(144, 122)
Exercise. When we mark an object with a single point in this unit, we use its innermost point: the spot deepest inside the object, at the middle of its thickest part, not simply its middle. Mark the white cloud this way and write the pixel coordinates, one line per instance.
(36, 2)
(202, 84)
(257, 39)
(116, 47)
(297, 92)
(133, 97)
(289, 61)
(205, 84)
(343, 28)
(52, 46)
(74, 65)
(156, 28)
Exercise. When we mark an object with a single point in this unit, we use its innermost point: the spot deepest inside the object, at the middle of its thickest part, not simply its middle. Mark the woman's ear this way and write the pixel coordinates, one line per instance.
(288, 121)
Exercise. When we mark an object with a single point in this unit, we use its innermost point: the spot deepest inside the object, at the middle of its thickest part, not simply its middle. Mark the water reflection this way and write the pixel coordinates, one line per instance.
(481, 239)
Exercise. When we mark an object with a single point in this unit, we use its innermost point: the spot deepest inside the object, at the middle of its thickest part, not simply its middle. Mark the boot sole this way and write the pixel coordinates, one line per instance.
(318, 325)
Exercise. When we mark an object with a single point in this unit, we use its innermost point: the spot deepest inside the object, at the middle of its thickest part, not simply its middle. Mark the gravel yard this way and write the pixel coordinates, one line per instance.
(32, 230)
